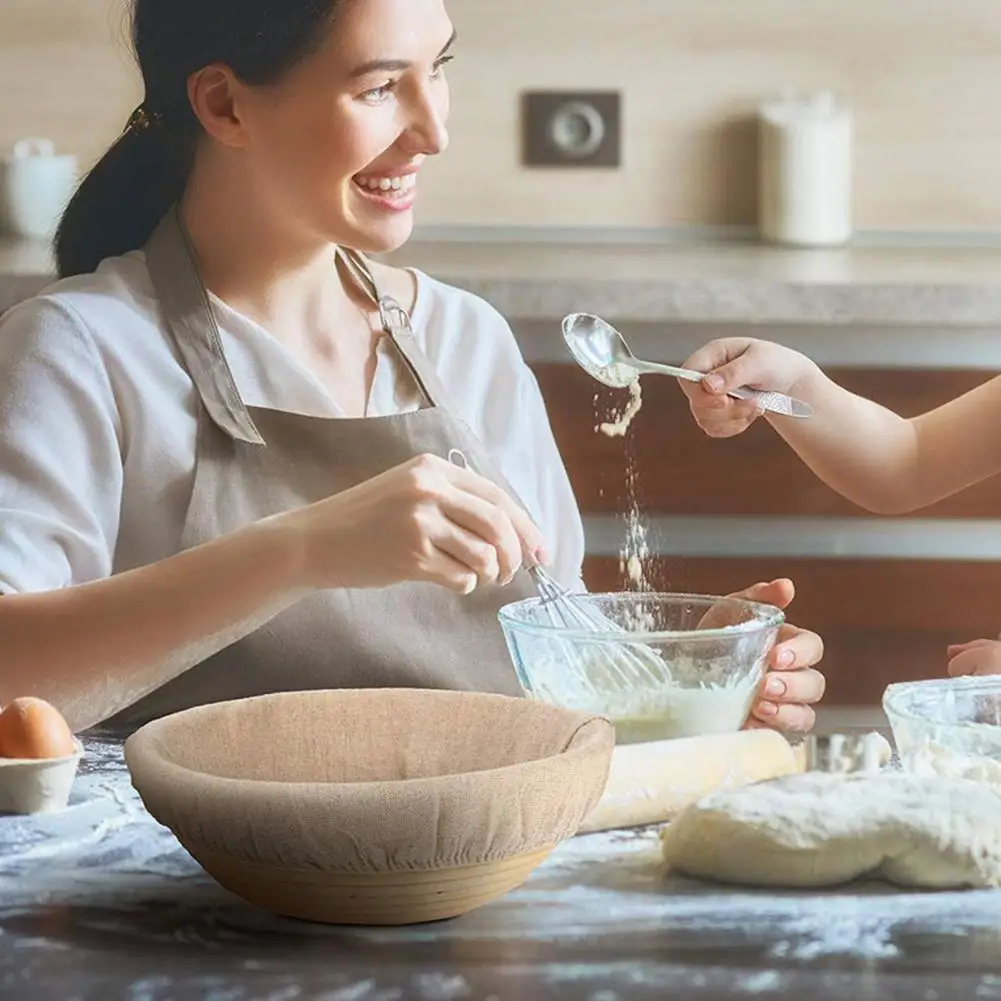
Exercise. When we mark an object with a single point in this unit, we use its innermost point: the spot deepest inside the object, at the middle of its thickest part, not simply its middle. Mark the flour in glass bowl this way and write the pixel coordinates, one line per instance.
(695, 696)
(678, 712)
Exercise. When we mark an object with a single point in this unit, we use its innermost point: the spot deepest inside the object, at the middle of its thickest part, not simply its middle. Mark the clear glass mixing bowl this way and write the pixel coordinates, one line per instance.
(661, 665)
(948, 726)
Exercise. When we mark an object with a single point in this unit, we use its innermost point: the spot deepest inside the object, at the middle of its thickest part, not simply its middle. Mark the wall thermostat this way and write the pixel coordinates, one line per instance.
(571, 129)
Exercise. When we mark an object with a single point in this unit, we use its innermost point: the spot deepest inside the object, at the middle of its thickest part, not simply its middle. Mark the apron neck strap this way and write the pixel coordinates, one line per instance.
(395, 322)
(188, 315)
(189, 318)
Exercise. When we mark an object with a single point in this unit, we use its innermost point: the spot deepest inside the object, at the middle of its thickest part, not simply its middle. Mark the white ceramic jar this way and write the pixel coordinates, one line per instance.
(805, 171)
(36, 183)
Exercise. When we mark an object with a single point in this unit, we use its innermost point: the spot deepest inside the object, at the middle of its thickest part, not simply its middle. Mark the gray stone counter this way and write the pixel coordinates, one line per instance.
(725, 283)
(24, 268)
(693, 282)
(99, 903)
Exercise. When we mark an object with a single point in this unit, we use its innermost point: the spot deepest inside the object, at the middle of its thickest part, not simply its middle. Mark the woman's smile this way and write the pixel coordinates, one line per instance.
(391, 189)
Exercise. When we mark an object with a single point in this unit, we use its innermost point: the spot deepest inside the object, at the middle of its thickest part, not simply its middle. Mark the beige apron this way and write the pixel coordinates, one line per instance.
(254, 462)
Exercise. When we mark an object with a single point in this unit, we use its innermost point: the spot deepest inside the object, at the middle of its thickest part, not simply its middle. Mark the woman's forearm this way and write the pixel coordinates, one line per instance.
(95, 648)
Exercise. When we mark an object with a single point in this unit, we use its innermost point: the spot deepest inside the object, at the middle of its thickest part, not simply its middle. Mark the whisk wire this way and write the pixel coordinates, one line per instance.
(628, 664)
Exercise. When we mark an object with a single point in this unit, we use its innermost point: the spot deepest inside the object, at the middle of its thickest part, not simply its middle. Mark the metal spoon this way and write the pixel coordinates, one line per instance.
(603, 353)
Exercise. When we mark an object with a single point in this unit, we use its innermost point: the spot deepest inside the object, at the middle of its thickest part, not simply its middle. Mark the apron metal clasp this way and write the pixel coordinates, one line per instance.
(393, 316)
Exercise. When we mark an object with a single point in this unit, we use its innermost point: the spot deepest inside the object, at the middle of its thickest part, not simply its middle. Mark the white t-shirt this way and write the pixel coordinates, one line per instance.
(98, 420)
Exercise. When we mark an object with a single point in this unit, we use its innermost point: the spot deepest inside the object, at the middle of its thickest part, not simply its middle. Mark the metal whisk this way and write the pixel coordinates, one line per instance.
(626, 666)
(629, 664)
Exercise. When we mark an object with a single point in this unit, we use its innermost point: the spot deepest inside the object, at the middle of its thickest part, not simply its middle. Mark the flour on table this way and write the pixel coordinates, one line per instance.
(818, 829)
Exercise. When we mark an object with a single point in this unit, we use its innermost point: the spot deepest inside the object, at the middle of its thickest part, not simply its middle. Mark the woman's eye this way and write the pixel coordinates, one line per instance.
(377, 94)
(439, 66)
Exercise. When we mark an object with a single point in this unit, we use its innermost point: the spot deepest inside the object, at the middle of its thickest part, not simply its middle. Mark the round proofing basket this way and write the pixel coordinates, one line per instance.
(383, 806)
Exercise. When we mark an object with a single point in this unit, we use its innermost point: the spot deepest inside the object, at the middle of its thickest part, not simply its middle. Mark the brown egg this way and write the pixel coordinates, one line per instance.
(31, 728)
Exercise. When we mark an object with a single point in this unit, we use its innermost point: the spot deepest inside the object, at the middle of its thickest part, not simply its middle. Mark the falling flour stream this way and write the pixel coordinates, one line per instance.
(621, 420)
(635, 549)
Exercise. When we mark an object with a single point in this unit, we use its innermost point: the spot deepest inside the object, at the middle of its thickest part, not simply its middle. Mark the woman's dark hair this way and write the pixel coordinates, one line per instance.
(119, 203)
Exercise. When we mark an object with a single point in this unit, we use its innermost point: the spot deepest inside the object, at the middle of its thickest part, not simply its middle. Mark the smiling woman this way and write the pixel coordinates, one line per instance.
(224, 434)
(331, 109)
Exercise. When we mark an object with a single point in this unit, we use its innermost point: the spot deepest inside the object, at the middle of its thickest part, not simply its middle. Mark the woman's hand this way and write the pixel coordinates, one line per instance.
(426, 520)
(975, 657)
(792, 684)
(740, 361)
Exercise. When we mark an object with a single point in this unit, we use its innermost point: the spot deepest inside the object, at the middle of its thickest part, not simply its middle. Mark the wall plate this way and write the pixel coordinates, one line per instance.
(571, 128)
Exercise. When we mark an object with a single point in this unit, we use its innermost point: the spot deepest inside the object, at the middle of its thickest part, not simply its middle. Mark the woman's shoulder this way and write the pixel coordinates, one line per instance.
(427, 298)
(117, 297)
(118, 283)
(447, 310)
(454, 322)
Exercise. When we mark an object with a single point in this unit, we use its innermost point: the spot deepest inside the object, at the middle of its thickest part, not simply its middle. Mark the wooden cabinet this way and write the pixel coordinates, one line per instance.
(884, 617)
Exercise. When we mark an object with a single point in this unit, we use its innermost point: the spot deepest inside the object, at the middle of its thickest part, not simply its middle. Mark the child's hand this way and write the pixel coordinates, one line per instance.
(740, 361)
(975, 657)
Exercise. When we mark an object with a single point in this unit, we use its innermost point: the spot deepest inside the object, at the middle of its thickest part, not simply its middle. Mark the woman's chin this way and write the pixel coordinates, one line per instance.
(384, 236)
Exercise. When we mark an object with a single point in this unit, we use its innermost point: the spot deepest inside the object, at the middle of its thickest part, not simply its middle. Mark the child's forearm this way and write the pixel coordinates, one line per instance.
(865, 452)
(869, 454)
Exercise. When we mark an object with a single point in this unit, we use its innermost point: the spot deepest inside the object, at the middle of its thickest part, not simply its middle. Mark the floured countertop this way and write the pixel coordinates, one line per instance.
(99, 902)
(689, 281)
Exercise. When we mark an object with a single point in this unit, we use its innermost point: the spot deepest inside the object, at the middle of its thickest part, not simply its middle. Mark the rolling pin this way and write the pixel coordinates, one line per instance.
(653, 782)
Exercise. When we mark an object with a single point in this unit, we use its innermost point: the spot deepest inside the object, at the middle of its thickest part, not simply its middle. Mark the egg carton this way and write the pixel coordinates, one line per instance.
(38, 785)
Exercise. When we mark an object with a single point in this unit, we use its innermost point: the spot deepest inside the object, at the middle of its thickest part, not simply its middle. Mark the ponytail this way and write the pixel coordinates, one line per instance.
(132, 188)
(123, 198)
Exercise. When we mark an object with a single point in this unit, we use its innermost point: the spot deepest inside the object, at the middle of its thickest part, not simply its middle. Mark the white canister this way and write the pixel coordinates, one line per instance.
(805, 171)
(36, 184)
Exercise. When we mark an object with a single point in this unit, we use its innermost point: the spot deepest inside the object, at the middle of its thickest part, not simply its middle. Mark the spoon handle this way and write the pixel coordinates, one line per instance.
(776, 403)
(661, 369)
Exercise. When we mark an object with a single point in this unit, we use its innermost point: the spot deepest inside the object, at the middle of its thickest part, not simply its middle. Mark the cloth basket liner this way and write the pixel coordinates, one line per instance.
(368, 781)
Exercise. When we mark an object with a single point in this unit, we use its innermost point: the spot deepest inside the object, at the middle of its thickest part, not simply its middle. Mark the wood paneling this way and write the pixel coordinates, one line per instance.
(881, 620)
(679, 470)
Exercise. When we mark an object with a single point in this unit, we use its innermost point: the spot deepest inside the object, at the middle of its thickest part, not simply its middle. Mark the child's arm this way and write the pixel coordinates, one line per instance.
(872, 456)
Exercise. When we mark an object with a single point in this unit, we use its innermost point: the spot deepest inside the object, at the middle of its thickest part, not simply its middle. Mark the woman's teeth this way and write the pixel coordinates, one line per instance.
(392, 187)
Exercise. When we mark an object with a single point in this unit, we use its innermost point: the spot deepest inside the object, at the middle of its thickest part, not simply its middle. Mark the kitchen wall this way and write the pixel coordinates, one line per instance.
(924, 75)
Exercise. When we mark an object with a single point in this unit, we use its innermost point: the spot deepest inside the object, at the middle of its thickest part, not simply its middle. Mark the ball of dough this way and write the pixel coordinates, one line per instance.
(818, 829)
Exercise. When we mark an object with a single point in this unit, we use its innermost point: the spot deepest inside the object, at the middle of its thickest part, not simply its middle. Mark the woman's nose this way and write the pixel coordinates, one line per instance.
(427, 133)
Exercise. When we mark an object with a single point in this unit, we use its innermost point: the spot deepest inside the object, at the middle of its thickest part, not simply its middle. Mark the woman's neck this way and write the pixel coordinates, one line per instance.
(283, 279)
